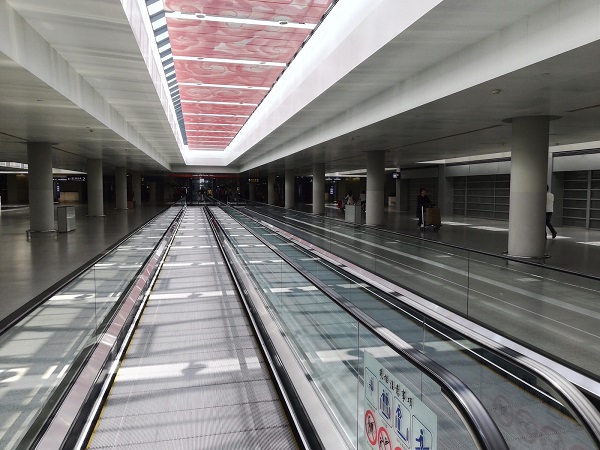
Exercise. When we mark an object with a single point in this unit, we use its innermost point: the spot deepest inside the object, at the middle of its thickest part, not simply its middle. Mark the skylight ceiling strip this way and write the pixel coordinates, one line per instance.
(217, 120)
(213, 115)
(305, 11)
(244, 96)
(205, 102)
(202, 135)
(214, 126)
(223, 42)
(234, 74)
(236, 20)
(229, 61)
(217, 109)
(232, 39)
(225, 86)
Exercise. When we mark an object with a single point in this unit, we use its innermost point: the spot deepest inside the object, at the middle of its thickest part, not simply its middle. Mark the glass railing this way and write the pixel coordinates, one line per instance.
(42, 353)
(551, 310)
(375, 394)
(527, 408)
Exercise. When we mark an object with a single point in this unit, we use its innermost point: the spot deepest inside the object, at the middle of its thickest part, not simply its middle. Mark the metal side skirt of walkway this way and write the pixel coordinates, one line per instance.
(193, 376)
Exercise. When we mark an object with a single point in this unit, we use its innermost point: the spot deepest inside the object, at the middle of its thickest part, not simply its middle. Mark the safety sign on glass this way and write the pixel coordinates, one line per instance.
(395, 419)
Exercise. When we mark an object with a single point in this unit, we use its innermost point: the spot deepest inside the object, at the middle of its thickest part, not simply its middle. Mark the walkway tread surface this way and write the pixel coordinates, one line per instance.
(193, 375)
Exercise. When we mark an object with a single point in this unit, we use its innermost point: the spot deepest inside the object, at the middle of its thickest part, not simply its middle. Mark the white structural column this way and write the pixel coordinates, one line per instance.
(95, 188)
(529, 163)
(290, 179)
(375, 187)
(318, 188)
(41, 200)
(121, 187)
(271, 189)
(136, 186)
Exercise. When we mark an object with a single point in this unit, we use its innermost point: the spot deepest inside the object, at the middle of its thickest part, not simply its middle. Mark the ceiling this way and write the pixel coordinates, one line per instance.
(95, 39)
(228, 55)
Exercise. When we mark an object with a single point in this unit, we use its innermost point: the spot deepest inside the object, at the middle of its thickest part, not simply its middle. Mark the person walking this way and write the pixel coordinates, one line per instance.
(549, 211)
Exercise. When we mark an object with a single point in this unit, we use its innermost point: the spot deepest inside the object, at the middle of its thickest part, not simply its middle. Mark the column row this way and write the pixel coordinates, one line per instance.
(41, 198)
(528, 186)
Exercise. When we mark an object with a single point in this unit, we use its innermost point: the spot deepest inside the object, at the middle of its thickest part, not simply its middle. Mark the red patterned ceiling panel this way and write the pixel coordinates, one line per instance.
(299, 11)
(213, 142)
(207, 141)
(197, 127)
(234, 41)
(194, 135)
(226, 74)
(204, 37)
(213, 94)
(215, 119)
(215, 148)
(216, 108)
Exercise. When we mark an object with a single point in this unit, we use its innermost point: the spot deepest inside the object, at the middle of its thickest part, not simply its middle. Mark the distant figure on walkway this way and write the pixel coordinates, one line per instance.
(422, 203)
(549, 211)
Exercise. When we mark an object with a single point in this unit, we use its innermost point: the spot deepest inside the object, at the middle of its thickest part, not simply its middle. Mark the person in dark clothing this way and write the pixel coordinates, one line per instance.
(422, 203)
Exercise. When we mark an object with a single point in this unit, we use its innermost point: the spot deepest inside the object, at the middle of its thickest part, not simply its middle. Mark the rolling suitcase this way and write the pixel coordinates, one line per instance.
(433, 219)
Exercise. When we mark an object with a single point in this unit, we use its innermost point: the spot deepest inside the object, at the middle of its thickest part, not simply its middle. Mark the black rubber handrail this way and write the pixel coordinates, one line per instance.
(278, 372)
(577, 403)
(467, 404)
(21, 312)
(34, 434)
(453, 246)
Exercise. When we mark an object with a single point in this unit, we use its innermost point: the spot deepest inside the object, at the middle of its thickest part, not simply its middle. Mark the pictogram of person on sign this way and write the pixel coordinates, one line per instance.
(421, 441)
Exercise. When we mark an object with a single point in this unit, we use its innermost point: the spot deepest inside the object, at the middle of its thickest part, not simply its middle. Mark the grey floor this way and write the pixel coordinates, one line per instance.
(193, 376)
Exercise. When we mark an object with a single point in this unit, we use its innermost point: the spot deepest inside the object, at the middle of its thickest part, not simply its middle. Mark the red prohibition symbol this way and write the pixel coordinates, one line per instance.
(383, 438)
(370, 427)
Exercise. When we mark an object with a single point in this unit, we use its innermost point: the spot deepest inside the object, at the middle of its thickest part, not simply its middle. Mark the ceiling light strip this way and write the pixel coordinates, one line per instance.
(206, 102)
(264, 23)
(230, 61)
(225, 86)
(191, 122)
(214, 115)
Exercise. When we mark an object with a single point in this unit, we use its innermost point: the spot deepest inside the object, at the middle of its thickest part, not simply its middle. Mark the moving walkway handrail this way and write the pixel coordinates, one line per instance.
(69, 414)
(577, 403)
(50, 412)
(13, 318)
(527, 262)
(482, 426)
(281, 379)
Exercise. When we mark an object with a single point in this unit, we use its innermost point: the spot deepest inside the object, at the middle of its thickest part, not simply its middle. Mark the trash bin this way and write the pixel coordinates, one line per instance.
(66, 218)
(354, 214)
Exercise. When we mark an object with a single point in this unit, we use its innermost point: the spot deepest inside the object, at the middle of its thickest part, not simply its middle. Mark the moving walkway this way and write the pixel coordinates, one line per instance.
(351, 369)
